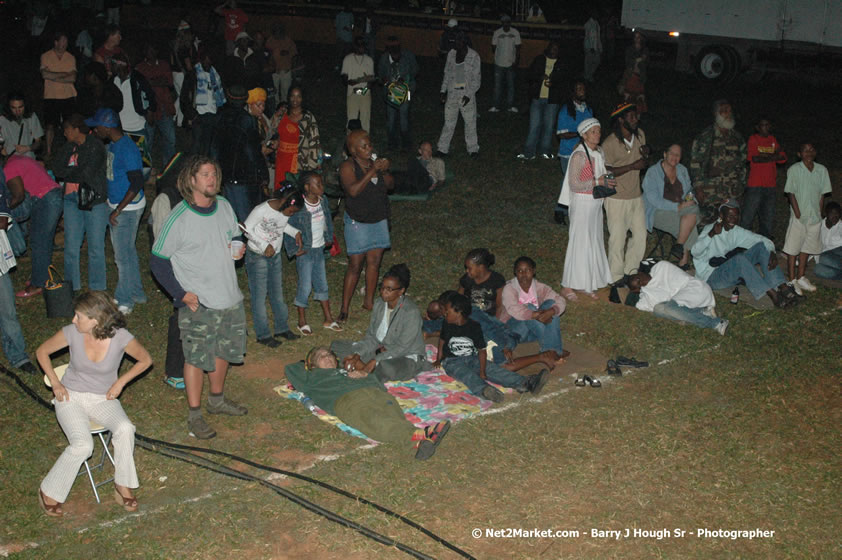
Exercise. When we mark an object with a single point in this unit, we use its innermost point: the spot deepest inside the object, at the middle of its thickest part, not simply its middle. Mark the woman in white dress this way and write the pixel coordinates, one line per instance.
(585, 263)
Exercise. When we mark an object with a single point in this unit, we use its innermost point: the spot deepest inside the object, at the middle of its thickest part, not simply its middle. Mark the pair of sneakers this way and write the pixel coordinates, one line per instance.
(200, 429)
(496, 110)
(802, 285)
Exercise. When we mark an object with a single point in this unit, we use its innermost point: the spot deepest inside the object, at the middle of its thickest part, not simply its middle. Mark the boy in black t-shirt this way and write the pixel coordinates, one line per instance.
(462, 353)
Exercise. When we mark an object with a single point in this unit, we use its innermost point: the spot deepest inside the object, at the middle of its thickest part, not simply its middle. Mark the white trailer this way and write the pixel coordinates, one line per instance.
(719, 38)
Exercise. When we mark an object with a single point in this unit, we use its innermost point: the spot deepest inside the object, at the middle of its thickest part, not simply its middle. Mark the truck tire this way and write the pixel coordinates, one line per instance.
(735, 63)
(714, 64)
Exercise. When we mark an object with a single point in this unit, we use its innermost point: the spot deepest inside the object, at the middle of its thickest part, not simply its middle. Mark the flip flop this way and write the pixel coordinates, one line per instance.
(595, 383)
(342, 317)
(612, 368)
(580, 382)
(305, 330)
(631, 362)
(570, 296)
(334, 326)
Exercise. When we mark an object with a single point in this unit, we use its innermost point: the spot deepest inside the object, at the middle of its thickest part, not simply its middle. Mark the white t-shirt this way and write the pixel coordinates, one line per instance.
(24, 133)
(266, 226)
(356, 66)
(506, 43)
(671, 283)
(129, 119)
(317, 223)
(832, 237)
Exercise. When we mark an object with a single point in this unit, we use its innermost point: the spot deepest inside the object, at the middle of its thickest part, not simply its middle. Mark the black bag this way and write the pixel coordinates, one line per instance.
(87, 197)
(601, 191)
(58, 295)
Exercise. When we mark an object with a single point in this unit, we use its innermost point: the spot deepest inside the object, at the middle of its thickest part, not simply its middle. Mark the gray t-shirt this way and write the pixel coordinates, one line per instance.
(23, 133)
(199, 248)
(85, 376)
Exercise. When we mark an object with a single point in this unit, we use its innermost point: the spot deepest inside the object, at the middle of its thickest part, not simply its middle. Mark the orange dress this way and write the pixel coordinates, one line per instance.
(286, 158)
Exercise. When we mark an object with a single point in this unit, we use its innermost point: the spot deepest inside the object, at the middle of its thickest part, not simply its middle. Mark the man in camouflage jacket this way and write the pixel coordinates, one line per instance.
(718, 163)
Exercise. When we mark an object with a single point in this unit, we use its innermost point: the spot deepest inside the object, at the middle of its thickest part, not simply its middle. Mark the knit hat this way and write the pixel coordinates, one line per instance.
(183, 26)
(256, 95)
(586, 125)
(622, 108)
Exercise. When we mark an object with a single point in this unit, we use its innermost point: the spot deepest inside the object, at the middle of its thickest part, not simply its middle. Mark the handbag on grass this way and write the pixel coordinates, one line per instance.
(58, 295)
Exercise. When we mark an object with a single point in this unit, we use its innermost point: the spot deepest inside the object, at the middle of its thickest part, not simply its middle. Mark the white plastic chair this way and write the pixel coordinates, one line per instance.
(101, 432)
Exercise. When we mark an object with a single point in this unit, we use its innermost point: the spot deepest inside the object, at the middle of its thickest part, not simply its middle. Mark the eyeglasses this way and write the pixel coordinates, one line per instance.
(388, 289)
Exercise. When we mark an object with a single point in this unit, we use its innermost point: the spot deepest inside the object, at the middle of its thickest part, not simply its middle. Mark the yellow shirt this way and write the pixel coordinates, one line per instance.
(67, 63)
(548, 71)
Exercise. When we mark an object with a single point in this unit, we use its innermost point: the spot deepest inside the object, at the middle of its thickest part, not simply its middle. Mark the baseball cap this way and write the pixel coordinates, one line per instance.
(242, 35)
(104, 117)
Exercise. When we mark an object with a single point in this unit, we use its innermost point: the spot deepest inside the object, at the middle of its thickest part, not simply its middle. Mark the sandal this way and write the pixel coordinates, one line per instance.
(434, 435)
(53, 510)
(569, 294)
(595, 383)
(305, 330)
(631, 362)
(334, 326)
(129, 504)
(175, 382)
(342, 317)
(580, 382)
(612, 368)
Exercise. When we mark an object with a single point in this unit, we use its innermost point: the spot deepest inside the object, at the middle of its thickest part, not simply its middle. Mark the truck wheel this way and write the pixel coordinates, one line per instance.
(735, 63)
(713, 64)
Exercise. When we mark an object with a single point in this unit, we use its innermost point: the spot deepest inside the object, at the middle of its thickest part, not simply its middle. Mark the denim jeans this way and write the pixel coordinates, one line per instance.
(743, 266)
(397, 126)
(77, 224)
(43, 215)
(165, 126)
(548, 335)
(563, 161)
(12, 341)
(123, 239)
(494, 329)
(675, 312)
(432, 325)
(265, 276)
(759, 201)
(501, 74)
(542, 122)
(830, 264)
(243, 199)
(311, 274)
(466, 370)
(203, 126)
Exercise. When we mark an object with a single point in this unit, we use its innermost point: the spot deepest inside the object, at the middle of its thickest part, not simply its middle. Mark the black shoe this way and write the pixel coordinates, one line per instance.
(614, 295)
(560, 218)
(288, 335)
(27, 367)
(492, 394)
(440, 154)
(677, 251)
(535, 383)
(269, 341)
(474, 155)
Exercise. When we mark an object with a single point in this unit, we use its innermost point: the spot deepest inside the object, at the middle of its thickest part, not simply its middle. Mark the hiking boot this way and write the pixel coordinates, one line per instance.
(199, 429)
(229, 407)
(492, 394)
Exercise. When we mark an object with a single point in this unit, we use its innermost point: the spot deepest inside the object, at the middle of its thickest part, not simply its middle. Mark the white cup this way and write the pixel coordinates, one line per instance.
(236, 248)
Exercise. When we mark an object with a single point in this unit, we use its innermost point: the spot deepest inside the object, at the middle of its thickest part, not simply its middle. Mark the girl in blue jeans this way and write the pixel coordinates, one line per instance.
(316, 227)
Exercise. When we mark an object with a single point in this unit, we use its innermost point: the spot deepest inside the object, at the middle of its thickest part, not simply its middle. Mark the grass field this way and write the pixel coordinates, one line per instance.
(738, 432)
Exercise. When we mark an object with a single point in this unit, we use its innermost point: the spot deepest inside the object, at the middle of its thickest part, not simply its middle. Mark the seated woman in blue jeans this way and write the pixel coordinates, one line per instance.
(531, 310)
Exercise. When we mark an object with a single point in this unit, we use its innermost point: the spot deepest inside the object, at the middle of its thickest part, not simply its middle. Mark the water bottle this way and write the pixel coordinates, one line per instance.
(735, 296)
(308, 402)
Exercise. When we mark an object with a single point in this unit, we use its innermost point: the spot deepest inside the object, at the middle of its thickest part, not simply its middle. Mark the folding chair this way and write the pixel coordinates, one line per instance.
(104, 436)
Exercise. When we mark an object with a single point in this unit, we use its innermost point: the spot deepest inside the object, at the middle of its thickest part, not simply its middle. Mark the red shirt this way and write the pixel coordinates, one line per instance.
(160, 78)
(235, 21)
(763, 174)
(36, 181)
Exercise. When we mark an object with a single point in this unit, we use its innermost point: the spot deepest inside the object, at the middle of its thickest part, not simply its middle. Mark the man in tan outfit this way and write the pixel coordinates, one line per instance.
(625, 156)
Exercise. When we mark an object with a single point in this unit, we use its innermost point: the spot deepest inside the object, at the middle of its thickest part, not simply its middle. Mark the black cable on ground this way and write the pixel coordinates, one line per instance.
(178, 451)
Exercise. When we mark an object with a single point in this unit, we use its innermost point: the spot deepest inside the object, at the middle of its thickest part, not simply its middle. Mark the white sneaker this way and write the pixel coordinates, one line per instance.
(796, 287)
(805, 284)
(494, 110)
(722, 327)
(124, 309)
(513, 109)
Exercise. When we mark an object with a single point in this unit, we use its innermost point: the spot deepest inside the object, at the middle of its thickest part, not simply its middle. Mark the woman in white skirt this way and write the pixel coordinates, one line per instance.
(585, 264)
(88, 391)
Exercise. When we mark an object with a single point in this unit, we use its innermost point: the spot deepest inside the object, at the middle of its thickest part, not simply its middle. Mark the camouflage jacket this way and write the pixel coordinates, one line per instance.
(717, 156)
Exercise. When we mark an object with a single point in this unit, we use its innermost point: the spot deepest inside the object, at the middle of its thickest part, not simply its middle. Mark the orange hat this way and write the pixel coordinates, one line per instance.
(256, 95)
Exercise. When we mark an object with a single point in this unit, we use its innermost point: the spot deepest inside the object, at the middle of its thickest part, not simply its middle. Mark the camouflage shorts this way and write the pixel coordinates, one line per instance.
(207, 334)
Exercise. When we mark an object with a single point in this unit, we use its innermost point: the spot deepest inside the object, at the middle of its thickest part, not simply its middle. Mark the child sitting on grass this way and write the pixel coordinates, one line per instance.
(462, 352)
(361, 401)
(829, 263)
(316, 227)
(806, 184)
(434, 317)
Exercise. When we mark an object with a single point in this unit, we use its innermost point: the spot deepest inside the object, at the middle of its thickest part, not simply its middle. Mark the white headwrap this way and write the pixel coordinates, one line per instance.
(586, 125)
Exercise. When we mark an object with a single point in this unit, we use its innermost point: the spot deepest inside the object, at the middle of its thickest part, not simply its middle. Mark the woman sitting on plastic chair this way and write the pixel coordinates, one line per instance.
(88, 391)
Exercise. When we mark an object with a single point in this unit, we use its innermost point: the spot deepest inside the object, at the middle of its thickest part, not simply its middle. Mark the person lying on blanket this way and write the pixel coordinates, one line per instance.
(361, 401)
